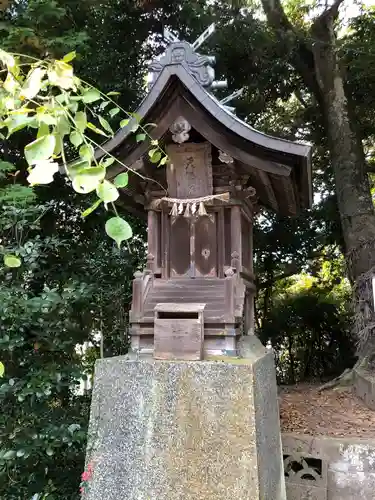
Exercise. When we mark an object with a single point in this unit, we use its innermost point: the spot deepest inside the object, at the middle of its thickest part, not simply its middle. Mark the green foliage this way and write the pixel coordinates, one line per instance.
(308, 324)
(71, 288)
(49, 98)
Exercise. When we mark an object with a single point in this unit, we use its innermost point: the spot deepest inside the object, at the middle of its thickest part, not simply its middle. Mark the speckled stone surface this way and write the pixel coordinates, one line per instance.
(205, 430)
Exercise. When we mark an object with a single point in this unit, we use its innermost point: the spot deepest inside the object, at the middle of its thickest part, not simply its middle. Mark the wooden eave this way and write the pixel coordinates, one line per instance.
(281, 169)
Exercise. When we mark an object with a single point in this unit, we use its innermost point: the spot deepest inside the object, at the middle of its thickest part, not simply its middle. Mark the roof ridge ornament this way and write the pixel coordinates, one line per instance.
(184, 53)
(199, 66)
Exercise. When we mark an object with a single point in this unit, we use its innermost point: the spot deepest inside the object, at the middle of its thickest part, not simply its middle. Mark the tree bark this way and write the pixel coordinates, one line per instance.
(325, 81)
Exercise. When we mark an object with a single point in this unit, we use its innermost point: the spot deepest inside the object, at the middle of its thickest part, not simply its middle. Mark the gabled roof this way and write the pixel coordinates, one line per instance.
(279, 170)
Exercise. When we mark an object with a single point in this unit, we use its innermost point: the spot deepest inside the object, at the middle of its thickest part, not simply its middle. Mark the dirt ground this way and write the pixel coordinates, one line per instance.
(331, 413)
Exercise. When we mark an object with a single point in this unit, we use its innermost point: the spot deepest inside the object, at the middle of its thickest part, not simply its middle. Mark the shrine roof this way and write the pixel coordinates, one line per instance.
(280, 170)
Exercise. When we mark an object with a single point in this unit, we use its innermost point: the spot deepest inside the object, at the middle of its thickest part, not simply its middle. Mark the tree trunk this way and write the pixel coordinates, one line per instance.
(323, 77)
(347, 155)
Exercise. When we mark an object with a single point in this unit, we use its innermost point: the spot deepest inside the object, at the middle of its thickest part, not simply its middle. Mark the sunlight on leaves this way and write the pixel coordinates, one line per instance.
(107, 192)
(40, 149)
(12, 261)
(42, 172)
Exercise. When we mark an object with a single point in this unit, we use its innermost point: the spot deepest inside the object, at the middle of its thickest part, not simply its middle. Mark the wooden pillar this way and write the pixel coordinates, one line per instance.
(229, 294)
(249, 312)
(137, 302)
(251, 245)
(221, 243)
(153, 235)
(192, 271)
(236, 234)
(165, 242)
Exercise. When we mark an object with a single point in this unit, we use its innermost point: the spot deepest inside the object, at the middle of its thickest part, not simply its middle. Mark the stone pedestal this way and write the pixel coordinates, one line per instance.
(185, 430)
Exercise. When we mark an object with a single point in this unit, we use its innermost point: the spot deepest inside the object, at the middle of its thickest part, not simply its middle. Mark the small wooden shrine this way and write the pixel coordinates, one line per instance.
(196, 295)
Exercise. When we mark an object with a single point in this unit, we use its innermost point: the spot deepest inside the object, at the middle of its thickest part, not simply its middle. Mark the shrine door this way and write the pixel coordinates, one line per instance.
(193, 246)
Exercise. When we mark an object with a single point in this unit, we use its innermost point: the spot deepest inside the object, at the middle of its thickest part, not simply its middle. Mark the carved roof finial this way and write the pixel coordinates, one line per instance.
(184, 53)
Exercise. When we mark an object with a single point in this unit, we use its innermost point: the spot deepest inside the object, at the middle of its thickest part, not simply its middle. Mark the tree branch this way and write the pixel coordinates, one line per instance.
(323, 24)
(276, 16)
(331, 12)
(301, 53)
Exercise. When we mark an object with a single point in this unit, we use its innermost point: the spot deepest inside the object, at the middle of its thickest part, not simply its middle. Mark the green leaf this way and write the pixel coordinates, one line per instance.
(8, 455)
(140, 137)
(10, 84)
(118, 229)
(33, 83)
(121, 180)
(105, 125)
(163, 161)
(91, 95)
(61, 75)
(73, 106)
(70, 56)
(49, 452)
(76, 138)
(42, 172)
(78, 167)
(113, 112)
(73, 427)
(107, 192)
(40, 149)
(11, 261)
(86, 152)
(156, 157)
(91, 126)
(7, 59)
(104, 104)
(134, 126)
(63, 126)
(93, 207)
(106, 162)
(137, 116)
(43, 130)
(124, 123)
(80, 120)
(113, 93)
(58, 147)
(62, 98)
(17, 122)
(87, 180)
(2, 369)
(46, 118)
(20, 453)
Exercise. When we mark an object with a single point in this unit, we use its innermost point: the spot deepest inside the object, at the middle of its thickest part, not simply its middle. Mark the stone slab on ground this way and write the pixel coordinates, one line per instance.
(364, 386)
(206, 430)
(343, 469)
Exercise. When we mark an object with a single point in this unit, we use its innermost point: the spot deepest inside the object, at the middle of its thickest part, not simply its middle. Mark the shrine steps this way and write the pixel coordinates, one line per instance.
(209, 291)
